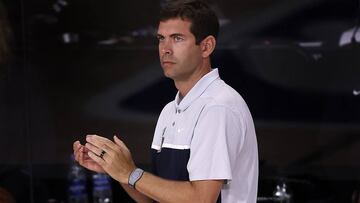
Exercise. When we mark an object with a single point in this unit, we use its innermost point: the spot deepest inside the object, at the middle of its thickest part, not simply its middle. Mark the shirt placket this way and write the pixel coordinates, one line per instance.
(178, 127)
(176, 120)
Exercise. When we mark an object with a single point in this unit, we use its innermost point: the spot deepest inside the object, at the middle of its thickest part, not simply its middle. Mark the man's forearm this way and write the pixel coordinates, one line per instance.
(163, 190)
(135, 195)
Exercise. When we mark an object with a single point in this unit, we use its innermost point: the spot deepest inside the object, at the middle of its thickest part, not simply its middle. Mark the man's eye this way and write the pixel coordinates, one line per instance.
(160, 39)
(178, 38)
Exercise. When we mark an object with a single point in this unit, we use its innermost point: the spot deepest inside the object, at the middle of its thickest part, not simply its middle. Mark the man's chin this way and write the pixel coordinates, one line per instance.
(167, 72)
(167, 75)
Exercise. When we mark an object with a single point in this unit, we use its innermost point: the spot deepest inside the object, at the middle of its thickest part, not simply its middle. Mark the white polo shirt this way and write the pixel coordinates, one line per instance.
(209, 135)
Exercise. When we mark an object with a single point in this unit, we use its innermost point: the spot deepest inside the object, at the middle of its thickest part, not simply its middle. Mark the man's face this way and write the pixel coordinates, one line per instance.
(180, 57)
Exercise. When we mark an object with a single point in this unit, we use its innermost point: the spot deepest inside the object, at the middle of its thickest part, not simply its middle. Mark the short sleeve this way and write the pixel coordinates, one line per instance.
(216, 142)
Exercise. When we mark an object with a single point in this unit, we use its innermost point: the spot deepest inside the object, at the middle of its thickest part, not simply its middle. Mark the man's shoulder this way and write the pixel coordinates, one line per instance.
(222, 94)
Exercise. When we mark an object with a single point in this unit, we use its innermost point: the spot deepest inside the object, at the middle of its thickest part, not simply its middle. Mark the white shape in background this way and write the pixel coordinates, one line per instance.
(356, 92)
(347, 35)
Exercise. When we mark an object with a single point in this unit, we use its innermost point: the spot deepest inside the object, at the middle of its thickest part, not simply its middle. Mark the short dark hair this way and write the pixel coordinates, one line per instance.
(204, 21)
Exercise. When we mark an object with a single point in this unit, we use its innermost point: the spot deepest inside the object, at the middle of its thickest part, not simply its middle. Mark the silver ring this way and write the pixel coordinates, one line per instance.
(102, 154)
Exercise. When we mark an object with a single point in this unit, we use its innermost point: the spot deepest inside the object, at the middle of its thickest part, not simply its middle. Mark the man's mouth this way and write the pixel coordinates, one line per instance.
(167, 62)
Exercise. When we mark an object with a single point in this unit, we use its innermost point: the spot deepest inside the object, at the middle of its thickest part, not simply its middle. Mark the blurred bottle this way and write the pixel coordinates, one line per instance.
(102, 192)
(77, 192)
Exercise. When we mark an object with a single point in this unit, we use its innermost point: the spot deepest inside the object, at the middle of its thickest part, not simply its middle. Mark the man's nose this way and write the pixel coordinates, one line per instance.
(166, 48)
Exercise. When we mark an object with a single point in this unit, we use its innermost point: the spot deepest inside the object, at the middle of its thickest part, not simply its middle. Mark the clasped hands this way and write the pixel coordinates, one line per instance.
(102, 155)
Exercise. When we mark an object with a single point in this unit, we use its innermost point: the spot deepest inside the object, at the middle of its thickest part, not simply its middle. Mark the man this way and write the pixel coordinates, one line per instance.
(204, 147)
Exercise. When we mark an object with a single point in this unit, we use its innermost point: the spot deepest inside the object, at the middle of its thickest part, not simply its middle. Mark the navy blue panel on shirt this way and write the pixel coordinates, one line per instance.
(171, 163)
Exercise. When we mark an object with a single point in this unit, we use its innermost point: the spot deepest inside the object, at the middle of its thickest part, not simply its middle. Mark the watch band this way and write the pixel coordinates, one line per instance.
(135, 176)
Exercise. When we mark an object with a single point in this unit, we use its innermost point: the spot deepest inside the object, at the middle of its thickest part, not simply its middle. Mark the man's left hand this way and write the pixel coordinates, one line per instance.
(113, 156)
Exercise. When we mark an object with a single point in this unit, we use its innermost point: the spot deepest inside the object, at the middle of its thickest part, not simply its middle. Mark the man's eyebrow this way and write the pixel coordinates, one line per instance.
(176, 35)
(172, 35)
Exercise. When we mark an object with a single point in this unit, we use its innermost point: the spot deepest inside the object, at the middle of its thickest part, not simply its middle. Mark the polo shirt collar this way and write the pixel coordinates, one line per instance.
(196, 91)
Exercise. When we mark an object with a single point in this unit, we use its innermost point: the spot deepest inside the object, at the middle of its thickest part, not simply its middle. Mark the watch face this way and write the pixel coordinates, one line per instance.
(135, 176)
(136, 173)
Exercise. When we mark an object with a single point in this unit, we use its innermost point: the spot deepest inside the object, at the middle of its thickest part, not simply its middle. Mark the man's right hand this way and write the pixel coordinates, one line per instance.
(81, 156)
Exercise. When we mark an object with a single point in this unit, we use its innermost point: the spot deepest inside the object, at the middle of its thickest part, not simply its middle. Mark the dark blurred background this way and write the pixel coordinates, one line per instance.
(74, 67)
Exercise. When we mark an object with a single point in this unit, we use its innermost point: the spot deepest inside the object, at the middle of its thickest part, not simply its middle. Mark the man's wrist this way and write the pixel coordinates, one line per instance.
(135, 176)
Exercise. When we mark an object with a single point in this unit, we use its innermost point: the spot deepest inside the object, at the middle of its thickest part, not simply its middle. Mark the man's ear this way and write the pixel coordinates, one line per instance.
(208, 46)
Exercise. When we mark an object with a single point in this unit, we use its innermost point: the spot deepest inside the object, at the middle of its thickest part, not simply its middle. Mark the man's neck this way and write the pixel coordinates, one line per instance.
(184, 86)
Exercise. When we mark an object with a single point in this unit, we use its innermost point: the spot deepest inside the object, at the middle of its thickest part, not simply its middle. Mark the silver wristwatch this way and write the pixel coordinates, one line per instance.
(134, 176)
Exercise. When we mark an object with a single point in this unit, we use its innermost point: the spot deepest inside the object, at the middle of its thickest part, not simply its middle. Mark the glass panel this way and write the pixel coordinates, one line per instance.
(91, 67)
